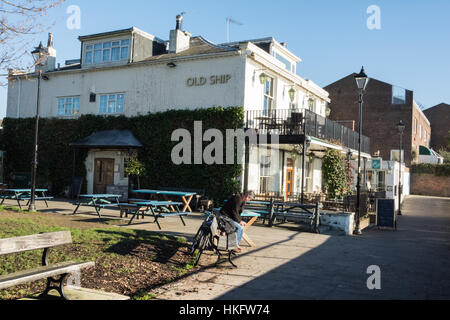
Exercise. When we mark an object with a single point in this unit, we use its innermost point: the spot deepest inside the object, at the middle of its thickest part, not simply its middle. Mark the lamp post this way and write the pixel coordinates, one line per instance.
(38, 55)
(361, 80)
(401, 129)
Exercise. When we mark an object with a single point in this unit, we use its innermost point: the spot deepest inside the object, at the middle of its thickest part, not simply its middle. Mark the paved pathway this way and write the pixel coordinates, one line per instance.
(291, 265)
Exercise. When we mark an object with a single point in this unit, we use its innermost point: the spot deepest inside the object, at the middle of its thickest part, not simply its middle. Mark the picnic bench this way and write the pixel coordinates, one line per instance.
(156, 209)
(252, 217)
(97, 201)
(185, 197)
(281, 211)
(56, 274)
(24, 195)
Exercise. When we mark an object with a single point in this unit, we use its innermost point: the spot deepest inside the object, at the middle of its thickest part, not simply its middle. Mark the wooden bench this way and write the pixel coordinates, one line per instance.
(50, 272)
(282, 212)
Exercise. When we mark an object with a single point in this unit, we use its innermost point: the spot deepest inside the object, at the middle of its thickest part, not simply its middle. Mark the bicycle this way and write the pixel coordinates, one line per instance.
(209, 237)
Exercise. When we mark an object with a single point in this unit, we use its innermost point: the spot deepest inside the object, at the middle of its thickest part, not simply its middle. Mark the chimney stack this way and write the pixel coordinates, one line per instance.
(179, 39)
(51, 54)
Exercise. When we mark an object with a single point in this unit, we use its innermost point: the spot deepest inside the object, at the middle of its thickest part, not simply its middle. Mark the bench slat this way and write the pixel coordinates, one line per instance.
(34, 242)
(173, 214)
(31, 275)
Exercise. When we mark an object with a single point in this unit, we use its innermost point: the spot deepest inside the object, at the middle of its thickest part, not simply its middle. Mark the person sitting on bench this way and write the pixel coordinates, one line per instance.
(233, 209)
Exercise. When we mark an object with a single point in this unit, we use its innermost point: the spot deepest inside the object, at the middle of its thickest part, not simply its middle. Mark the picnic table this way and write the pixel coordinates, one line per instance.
(24, 195)
(185, 197)
(155, 209)
(98, 201)
(274, 210)
(253, 217)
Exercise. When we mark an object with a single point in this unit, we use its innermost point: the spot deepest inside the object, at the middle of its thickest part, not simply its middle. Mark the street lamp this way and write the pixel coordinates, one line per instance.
(361, 81)
(401, 129)
(38, 56)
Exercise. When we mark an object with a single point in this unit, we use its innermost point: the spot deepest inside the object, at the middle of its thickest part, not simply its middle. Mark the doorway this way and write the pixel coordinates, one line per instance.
(103, 175)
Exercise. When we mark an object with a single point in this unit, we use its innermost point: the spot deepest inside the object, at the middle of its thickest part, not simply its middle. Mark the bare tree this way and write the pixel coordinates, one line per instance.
(19, 19)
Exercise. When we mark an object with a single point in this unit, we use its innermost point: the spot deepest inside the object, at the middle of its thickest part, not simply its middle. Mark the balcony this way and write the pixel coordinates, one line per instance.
(288, 124)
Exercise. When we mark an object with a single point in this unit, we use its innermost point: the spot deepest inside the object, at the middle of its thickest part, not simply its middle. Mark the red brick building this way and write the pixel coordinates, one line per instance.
(439, 117)
(384, 106)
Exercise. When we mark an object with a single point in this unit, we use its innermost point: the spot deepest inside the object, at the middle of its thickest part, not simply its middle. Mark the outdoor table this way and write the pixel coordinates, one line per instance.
(98, 201)
(246, 214)
(254, 216)
(156, 209)
(186, 197)
(24, 195)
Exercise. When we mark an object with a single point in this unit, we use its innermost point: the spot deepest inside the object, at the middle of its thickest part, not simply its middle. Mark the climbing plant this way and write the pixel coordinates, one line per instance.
(334, 174)
(154, 131)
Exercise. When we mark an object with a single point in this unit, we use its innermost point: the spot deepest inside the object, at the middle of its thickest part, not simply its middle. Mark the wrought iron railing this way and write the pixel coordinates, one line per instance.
(290, 122)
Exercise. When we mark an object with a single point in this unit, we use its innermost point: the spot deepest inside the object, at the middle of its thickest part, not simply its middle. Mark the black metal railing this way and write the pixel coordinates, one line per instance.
(290, 122)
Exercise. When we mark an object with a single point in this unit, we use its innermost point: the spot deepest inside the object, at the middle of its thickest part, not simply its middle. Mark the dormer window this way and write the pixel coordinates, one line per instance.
(104, 52)
(289, 65)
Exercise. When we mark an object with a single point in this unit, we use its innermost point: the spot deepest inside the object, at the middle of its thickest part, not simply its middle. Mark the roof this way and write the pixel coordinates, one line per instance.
(119, 32)
(197, 46)
(439, 107)
(117, 139)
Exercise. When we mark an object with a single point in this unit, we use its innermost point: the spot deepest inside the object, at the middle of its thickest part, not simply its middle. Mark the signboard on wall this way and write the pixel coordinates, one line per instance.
(377, 164)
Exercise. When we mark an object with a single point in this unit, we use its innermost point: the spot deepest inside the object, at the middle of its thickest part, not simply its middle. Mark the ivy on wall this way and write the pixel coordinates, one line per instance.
(154, 131)
(334, 174)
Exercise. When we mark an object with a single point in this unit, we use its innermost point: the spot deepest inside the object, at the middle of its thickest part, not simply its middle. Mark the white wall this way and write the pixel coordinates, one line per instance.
(147, 88)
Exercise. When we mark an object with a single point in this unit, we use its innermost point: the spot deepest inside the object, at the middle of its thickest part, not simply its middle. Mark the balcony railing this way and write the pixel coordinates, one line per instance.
(290, 122)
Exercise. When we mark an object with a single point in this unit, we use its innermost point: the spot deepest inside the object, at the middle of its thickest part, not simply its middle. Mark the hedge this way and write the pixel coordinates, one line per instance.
(436, 169)
(55, 164)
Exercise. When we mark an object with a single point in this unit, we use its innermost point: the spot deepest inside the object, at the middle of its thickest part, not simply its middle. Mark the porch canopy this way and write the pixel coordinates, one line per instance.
(112, 139)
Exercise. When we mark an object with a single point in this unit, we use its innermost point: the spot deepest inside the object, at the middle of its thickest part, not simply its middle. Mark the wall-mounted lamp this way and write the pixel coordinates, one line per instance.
(292, 93)
(45, 77)
(171, 65)
(262, 77)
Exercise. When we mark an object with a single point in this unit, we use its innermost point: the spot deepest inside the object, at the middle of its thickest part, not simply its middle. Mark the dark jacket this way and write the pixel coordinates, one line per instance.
(233, 208)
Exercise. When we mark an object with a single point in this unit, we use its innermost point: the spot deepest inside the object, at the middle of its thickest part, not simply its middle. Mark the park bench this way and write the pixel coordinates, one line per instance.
(282, 212)
(56, 274)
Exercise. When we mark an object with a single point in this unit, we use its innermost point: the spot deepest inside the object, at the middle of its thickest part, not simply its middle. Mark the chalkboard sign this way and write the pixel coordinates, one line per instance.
(386, 214)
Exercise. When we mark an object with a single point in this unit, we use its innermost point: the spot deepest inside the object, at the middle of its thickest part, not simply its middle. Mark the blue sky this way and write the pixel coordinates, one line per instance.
(411, 50)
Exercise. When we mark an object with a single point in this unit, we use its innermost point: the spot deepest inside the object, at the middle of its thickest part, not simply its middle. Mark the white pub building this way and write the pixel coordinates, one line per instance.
(130, 72)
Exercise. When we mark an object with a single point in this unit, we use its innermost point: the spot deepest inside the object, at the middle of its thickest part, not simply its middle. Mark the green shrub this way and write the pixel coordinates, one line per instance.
(55, 164)
(435, 169)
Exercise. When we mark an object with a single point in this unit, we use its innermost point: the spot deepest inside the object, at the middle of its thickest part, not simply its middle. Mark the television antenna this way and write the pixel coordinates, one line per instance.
(230, 21)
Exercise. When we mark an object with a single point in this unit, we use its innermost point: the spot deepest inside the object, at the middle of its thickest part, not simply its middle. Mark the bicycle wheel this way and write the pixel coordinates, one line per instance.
(202, 246)
(196, 241)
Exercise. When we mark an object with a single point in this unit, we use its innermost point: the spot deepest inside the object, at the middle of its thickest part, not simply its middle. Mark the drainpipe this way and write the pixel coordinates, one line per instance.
(18, 98)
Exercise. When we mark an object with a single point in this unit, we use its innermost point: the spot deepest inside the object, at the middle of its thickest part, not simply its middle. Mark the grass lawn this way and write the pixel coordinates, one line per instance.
(128, 262)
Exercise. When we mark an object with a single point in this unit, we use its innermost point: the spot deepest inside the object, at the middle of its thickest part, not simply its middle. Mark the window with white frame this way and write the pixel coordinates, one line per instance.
(311, 104)
(106, 51)
(112, 103)
(420, 131)
(268, 96)
(415, 125)
(68, 106)
(265, 183)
